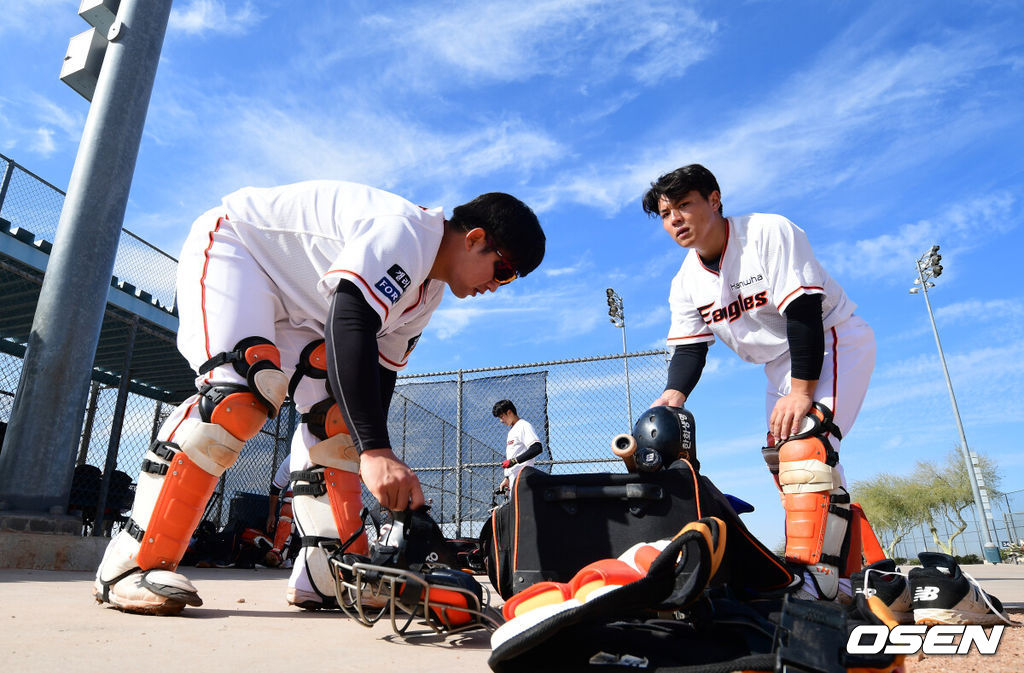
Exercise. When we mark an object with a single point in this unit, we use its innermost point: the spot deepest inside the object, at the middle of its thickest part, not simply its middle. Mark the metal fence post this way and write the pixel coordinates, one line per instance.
(90, 417)
(115, 429)
(458, 457)
(8, 171)
(36, 465)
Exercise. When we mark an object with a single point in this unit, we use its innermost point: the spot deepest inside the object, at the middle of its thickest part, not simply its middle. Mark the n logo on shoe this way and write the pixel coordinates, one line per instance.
(926, 593)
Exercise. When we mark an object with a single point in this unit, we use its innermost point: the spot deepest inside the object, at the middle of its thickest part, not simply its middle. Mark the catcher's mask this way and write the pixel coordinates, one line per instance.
(408, 577)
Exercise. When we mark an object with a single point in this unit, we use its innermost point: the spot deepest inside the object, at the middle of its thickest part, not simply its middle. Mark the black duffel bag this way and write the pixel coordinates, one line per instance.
(554, 525)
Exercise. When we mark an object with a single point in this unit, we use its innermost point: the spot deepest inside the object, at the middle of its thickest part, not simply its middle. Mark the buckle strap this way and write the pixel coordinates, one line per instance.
(165, 450)
(315, 485)
(135, 530)
(153, 467)
(219, 359)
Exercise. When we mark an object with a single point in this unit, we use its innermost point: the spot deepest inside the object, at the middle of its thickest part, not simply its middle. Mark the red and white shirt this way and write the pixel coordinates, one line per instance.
(309, 235)
(767, 262)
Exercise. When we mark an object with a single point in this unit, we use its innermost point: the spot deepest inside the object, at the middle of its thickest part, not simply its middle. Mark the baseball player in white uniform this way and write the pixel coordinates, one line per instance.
(522, 446)
(319, 290)
(280, 526)
(753, 282)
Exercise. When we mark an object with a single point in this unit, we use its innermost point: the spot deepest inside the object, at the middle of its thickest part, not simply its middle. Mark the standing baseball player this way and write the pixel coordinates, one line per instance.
(319, 289)
(522, 446)
(753, 282)
(279, 525)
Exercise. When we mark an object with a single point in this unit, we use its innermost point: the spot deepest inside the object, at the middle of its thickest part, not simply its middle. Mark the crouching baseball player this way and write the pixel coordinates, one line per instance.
(754, 283)
(320, 289)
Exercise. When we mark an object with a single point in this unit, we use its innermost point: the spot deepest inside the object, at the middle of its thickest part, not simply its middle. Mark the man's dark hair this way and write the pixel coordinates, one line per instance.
(503, 407)
(510, 225)
(680, 182)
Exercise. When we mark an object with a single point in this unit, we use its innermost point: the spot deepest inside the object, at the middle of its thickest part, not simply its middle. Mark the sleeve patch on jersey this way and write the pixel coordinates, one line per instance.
(412, 344)
(400, 276)
(388, 289)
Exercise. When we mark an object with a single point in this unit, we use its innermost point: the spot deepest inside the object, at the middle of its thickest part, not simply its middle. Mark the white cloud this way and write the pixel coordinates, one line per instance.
(805, 136)
(958, 226)
(42, 142)
(510, 40)
(206, 17)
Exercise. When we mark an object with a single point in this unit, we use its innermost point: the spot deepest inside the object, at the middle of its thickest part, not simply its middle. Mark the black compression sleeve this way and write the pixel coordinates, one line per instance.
(806, 337)
(532, 451)
(353, 370)
(685, 368)
(387, 385)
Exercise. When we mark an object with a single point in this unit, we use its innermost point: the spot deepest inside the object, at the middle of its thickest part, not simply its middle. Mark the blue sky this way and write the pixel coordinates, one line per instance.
(879, 128)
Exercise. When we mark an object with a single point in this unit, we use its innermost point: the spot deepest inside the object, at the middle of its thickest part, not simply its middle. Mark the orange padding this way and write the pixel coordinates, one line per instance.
(284, 526)
(452, 615)
(334, 422)
(178, 510)
(241, 414)
(606, 572)
(345, 496)
(872, 549)
(254, 354)
(806, 515)
(811, 448)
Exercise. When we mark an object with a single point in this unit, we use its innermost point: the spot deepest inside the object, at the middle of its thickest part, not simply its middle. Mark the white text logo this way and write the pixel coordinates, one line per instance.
(913, 638)
(926, 593)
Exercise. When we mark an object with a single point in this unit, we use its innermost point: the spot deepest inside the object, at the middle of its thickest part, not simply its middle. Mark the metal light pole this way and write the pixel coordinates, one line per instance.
(618, 318)
(113, 66)
(928, 267)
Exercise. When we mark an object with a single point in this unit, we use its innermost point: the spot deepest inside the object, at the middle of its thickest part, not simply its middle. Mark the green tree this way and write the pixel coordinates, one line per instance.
(893, 505)
(947, 492)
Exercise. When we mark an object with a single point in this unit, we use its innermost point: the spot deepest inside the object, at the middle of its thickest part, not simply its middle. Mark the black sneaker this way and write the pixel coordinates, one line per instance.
(943, 594)
(882, 579)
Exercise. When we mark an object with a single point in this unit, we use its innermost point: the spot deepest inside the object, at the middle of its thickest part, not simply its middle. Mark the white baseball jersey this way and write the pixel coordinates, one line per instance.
(309, 235)
(521, 436)
(767, 262)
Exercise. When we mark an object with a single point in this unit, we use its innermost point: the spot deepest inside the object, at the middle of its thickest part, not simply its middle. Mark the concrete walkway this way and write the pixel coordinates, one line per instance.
(50, 622)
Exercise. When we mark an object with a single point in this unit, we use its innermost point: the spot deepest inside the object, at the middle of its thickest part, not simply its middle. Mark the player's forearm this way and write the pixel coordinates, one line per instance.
(532, 451)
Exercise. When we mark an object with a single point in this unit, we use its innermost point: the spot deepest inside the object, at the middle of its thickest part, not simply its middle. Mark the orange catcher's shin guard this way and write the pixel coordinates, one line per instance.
(284, 527)
(817, 506)
(345, 497)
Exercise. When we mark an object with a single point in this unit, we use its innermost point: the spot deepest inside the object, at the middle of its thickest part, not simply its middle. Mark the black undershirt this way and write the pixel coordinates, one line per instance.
(362, 387)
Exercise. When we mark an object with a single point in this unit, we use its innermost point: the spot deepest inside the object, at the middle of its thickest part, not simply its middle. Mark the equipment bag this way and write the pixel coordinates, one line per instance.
(553, 525)
(664, 617)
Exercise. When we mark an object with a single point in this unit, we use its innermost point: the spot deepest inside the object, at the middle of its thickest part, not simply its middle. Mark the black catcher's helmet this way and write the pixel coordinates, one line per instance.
(664, 435)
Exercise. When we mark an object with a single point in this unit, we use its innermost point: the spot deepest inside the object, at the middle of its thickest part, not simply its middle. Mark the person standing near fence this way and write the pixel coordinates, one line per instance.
(279, 525)
(338, 275)
(754, 283)
(522, 446)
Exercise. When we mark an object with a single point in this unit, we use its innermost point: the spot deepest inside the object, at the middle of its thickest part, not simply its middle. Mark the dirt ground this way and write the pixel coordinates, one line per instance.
(49, 622)
(1009, 658)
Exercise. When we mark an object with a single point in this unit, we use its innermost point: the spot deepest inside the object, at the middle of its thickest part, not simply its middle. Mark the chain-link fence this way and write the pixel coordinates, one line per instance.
(30, 203)
(1006, 527)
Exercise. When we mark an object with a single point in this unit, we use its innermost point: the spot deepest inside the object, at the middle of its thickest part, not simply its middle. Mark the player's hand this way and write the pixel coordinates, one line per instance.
(271, 523)
(670, 398)
(391, 481)
(788, 414)
(507, 463)
(503, 487)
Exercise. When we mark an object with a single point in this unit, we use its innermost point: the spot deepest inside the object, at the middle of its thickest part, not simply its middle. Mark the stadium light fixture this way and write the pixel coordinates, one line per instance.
(618, 318)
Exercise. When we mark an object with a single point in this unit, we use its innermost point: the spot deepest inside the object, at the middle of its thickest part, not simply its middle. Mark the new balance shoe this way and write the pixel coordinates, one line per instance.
(942, 593)
(883, 580)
